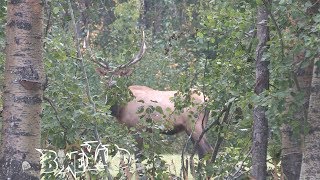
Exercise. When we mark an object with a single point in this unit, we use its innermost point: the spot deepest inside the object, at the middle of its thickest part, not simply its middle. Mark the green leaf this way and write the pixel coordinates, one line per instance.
(140, 110)
(199, 34)
(56, 10)
(159, 109)
(150, 109)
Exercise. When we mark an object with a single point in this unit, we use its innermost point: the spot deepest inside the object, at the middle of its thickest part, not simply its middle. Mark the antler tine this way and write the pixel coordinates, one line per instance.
(138, 56)
(101, 64)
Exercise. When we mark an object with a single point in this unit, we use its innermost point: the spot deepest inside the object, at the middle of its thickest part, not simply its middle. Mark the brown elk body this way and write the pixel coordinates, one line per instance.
(191, 120)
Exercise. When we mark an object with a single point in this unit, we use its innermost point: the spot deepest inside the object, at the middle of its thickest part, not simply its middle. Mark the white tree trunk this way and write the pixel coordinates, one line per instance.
(311, 155)
(23, 91)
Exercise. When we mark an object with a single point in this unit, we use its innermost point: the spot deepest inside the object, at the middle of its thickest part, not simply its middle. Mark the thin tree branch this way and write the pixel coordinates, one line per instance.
(216, 122)
(220, 138)
(56, 113)
(241, 165)
(196, 144)
(268, 8)
(80, 57)
(87, 86)
(49, 14)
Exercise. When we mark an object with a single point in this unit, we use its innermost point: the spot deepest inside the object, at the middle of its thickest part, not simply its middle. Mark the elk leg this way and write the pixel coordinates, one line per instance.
(203, 146)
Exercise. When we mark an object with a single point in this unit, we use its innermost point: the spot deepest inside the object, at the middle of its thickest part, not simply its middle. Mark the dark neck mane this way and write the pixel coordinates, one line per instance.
(115, 110)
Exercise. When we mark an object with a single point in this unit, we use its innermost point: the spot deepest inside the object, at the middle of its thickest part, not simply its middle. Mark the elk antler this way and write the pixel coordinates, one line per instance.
(138, 56)
(121, 70)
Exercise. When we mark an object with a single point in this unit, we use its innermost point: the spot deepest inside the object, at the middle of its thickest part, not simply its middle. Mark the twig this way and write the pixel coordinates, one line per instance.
(241, 164)
(268, 8)
(80, 57)
(87, 86)
(56, 113)
(196, 144)
(182, 170)
(216, 122)
(48, 25)
(206, 113)
(65, 129)
(253, 36)
(220, 138)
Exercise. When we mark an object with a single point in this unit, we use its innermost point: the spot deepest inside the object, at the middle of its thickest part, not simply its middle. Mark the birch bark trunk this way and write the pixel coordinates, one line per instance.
(23, 91)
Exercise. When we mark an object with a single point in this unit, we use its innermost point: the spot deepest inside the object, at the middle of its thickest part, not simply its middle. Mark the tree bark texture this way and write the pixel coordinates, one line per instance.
(23, 91)
(260, 125)
(310, 168)
(311, 156)
(291, 154)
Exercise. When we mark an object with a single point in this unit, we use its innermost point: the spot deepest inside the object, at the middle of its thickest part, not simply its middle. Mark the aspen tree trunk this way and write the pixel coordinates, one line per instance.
(291, 151)
(291, 154)
(310, 168)
(260, 125)
(23, 91)
(311, 156)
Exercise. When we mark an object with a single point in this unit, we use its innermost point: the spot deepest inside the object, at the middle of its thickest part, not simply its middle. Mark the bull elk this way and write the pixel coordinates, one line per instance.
(191, 119)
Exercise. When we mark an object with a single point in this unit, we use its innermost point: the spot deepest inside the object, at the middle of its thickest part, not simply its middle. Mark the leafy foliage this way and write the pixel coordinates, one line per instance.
(205, 45)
